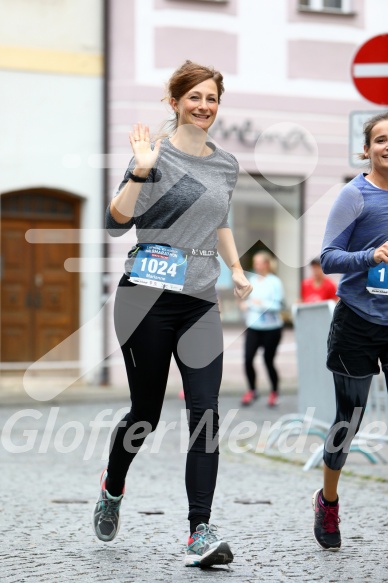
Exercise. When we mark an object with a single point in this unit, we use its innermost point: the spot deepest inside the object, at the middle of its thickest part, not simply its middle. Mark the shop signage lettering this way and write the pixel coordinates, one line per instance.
(248, 135)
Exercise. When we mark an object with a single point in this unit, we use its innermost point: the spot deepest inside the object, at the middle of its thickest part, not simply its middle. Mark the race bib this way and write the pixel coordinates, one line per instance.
(160, 267)
(268, 317)
(377, 282)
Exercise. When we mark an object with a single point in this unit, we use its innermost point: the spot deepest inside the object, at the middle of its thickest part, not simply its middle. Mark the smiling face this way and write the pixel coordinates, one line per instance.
(198, 106)
(377, 152)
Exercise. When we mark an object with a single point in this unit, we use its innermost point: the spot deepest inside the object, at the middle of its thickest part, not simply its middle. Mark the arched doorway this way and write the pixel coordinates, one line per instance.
(39, 298)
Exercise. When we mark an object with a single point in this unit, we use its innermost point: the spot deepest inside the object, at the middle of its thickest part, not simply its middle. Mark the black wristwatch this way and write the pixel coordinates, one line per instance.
(135, 178)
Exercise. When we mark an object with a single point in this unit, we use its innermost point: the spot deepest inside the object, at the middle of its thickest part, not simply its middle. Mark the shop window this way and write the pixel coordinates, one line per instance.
(333, 6)
(259, 222)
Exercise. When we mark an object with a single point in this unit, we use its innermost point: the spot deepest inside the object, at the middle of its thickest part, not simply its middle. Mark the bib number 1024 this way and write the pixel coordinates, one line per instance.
(158, 267)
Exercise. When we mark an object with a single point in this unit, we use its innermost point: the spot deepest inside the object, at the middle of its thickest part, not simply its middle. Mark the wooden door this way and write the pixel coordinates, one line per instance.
(56, 295)
(40, 299)
(16, 298)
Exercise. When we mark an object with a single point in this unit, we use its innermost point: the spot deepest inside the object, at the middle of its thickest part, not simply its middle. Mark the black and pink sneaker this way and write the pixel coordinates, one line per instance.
(326, 521)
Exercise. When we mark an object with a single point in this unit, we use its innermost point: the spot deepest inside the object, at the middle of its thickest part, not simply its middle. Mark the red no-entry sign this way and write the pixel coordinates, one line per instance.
(370, 69)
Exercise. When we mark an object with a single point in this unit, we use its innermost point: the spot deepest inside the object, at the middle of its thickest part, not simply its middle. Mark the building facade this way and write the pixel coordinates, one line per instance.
(51, 103)
(285, 114)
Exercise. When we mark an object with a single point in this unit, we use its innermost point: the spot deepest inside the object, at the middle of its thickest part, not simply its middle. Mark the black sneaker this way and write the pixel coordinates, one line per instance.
(326, 521)
(106, 514)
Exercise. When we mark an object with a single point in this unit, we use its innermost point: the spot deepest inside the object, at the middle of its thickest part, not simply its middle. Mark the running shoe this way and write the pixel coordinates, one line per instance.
(273, 399)
(249, 397)
(205, 548)
(106, 514)
(326, 521)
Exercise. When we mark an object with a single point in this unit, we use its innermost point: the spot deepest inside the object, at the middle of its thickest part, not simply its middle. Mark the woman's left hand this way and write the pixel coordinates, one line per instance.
(242, 287)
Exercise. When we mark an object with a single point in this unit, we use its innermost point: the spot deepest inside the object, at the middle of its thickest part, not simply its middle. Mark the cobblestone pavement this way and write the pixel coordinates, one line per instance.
(262, 506)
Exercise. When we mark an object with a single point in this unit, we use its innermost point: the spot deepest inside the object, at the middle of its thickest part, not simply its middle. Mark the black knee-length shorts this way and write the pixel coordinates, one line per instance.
(356, 347)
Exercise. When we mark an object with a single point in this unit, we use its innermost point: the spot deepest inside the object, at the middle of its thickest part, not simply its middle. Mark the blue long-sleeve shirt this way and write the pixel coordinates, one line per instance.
(264, 303)
(357, 225)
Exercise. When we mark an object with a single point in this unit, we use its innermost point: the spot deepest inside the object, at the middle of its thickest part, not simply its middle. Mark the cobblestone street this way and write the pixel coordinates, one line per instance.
(262, 505)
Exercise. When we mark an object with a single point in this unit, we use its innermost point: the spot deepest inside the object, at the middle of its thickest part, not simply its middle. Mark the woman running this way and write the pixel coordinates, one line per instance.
(264, 326)
(177, 193)
(356, 245)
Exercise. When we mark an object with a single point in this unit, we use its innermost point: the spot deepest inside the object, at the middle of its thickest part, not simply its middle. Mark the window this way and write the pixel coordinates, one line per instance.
(333, 6)
(257, 222)
(217, 1)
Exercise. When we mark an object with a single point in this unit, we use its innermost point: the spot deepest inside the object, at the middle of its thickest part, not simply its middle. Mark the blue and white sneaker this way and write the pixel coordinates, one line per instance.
(205, 548)
(106, 514)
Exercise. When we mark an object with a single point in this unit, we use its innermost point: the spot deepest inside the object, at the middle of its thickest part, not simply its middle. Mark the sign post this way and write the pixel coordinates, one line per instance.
(370, 77)
(370, 69)
(356, 136)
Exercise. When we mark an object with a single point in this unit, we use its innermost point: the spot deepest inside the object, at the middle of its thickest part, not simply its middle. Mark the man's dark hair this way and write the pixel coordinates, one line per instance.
(315, 261)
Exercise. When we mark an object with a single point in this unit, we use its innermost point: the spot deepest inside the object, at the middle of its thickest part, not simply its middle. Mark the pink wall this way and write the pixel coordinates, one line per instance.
(176, 44)
(122, 46)
(326, 61)
(287, 103)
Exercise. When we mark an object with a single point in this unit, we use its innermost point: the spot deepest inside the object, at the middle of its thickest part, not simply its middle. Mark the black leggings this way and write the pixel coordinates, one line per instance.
(356, 347)
(351, 398)
(269, 340)
(151, 326)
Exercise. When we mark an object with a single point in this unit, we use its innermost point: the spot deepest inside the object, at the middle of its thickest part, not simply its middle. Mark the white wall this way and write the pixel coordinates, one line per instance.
(51, 123)
(67, 25)
(48, 123)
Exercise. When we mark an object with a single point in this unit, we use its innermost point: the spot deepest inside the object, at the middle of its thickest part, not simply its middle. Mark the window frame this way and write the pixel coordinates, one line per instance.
(208, 1)
(317, 6)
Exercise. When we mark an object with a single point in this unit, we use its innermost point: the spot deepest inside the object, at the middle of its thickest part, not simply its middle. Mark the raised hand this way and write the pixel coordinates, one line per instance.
(139, 138)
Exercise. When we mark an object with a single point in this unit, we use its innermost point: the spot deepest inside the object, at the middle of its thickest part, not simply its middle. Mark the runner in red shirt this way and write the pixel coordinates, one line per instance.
(318, 288)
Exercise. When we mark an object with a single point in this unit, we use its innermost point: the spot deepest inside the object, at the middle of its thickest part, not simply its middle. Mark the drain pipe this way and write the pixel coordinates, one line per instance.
(105, 377)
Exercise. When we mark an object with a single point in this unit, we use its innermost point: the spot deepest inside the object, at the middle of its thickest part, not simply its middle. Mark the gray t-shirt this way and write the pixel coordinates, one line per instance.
(184, 201)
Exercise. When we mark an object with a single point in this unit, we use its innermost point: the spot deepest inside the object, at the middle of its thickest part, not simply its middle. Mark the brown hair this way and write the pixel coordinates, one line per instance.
(367, 130)
(184, 79)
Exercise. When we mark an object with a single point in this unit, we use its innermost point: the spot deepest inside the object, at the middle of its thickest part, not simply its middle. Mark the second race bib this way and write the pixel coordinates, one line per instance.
(378, 279)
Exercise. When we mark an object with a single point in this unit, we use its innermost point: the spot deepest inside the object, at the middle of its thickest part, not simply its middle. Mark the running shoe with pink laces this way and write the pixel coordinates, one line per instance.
(326, 521)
